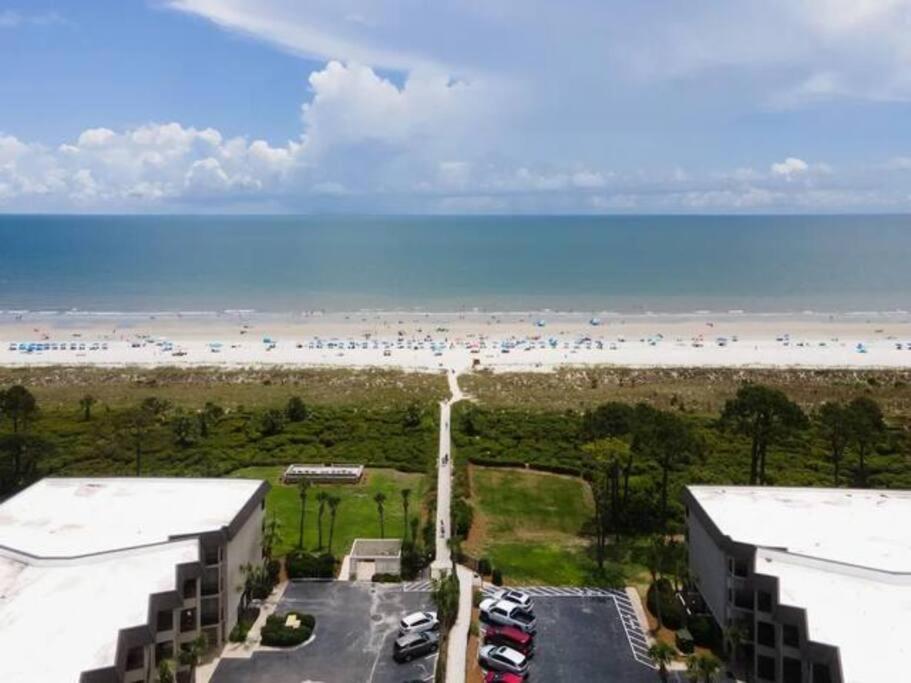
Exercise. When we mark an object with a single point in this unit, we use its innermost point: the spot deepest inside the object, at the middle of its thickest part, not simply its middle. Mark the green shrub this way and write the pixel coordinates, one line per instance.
(704, 631)
(684, 640)
(672, 615)
(484, 566)
(276, 634)
(496, 577)
(386, 578)
(309, 566)
(273, 570)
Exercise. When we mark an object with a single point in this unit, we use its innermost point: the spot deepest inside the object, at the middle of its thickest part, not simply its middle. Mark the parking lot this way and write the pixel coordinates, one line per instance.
(583, 638)
(356, 625)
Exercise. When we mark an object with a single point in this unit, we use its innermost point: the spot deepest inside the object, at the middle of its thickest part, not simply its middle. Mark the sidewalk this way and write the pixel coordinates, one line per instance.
(458, 636)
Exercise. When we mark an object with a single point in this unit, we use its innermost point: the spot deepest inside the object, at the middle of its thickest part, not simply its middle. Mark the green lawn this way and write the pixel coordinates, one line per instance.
(357, 513)
(532, 527)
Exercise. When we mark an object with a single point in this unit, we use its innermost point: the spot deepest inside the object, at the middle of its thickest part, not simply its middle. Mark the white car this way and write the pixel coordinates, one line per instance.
(505, 613)
(502, 658)
(417, 622)
(519, 598)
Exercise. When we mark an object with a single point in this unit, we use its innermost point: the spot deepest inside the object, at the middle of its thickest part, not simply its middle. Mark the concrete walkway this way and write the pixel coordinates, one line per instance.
(442, 564)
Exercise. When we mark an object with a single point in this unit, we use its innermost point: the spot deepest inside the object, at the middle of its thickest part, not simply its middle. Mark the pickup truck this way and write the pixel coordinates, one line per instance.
(507, 613)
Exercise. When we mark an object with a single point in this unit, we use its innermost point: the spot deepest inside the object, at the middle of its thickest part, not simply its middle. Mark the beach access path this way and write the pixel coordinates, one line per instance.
(442, 564)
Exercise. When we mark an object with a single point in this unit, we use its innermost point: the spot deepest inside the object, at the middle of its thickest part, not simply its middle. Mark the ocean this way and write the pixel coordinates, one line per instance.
(672, 264)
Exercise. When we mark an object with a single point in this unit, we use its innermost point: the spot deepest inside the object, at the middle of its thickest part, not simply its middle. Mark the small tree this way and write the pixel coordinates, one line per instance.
(866, 426)
(445, 595)
(333, 502)
(191, 653)
(703, 667)
(86, 403)
(302, 489)
(380, 500)
(271, 422)
(184, 429)
(271, 534)
(656, 557)
(208, 417)
(662, 654)
(296, 410)
(412, 417)
(18, 404)
(321, 498)
(765, 415)
(406, 495)
(833, 423)
(166, 671)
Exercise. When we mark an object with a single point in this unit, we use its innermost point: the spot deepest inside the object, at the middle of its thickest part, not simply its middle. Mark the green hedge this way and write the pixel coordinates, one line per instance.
(672, 615)
(276, 634)
(386, 578)
(309, 566)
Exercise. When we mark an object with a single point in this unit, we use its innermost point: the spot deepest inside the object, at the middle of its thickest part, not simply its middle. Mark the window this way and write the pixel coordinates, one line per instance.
(764, 601)
(164, 651)
(136, 657)
(189, 589)
(187, 620)
(791, 670)
(740, 568)
(790, 635)
(821, 673)
(165, 620)
(765, 667)
(765, 634)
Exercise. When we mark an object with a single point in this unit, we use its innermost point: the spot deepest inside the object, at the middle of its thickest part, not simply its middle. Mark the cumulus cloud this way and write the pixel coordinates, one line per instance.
(790, 167)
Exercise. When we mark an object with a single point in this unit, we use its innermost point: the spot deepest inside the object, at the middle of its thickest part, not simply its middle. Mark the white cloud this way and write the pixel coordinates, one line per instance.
(790, 167)
(14, 19)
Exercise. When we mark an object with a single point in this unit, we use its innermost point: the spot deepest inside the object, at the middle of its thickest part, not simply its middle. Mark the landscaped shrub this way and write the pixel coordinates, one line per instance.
(386, 578)
(276, 634)
(497, 577)
(484, 566)
(273, 570)
(672, 615)
(462, 516)
(308, 566)
(684, 640)
(704, 630)
(245, 621)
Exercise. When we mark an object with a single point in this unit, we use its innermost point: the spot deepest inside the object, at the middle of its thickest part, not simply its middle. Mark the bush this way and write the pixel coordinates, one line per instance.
(672, 615)
(276, 634)
(309, 566)
(484, 566)
(273, 570)
(704, 631)
(462, 517)
(245, 621)
(496, 577)
(386, 578)
(684, 640)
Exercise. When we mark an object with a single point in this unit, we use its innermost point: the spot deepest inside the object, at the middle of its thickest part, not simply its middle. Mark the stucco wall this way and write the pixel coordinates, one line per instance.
(708, 568)
(244, 548)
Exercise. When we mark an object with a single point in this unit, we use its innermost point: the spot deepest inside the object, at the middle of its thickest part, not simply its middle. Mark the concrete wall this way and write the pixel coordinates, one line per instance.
(244, 548)
(708, 568)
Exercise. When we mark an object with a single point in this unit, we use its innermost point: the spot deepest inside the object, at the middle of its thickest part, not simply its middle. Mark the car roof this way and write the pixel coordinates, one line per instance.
(507, 605)
(415, 617)
(409, 639)
(510, 654)
(510, 632)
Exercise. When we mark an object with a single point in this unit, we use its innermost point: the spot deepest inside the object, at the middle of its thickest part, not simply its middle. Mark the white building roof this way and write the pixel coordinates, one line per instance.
(71, 517)
(79, 559)
(843, 555)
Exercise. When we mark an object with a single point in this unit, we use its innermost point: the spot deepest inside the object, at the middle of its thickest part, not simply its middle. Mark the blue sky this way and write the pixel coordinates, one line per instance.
(463, 106)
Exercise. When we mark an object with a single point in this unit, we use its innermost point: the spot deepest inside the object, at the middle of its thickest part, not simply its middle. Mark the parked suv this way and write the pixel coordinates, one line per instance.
(416, 622)
(512, 637)
(502, 677)
(502, 658)
(414, 645)
(505, 613)
(520, 598)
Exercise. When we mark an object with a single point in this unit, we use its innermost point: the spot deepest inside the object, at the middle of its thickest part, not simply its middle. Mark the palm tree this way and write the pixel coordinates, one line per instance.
(271, 532)
(333, 502)
(166, 671)
(191, 653)
(656, 558)
(380, 500)
(406, 494)
(662, 654)
(302, 488)
(86, 403)
(454, 543)
(735, 635)
(321, 499)
(705, 667)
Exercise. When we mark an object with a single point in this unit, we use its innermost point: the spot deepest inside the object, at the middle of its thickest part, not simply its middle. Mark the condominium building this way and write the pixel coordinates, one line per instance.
(817, 580)
(101, 579)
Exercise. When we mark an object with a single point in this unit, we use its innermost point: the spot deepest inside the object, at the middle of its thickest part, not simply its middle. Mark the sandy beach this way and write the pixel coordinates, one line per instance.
(420, 341)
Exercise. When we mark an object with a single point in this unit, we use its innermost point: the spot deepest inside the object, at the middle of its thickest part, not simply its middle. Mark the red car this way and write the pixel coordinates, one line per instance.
(502, 677)
(512, 637)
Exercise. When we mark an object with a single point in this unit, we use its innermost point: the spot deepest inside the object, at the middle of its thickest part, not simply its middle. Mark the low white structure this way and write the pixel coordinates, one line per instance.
(371, 556)
(100, 579)
(323, 474)
(819, 578)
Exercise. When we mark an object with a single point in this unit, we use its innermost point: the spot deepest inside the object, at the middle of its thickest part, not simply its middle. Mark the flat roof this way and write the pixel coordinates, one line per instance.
(80, 558)
(81, 516)
(863, 527)
(843, 555)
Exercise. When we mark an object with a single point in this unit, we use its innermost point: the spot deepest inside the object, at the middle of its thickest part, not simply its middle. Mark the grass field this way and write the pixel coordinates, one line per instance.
(357, 513)
(529, 524)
